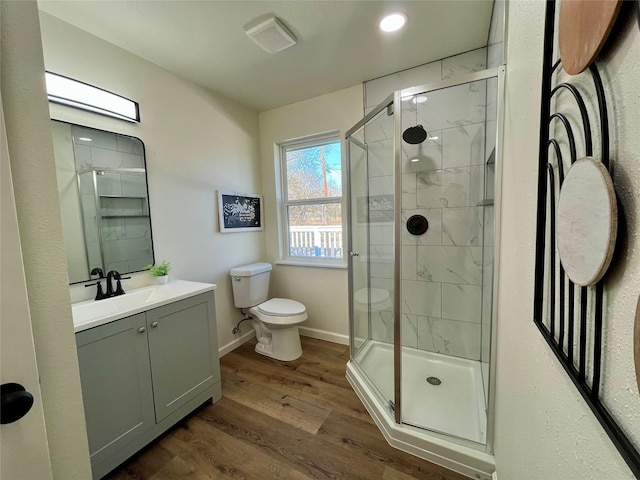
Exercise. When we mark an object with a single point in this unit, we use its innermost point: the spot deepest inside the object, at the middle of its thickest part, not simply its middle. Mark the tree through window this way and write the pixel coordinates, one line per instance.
(312, 199)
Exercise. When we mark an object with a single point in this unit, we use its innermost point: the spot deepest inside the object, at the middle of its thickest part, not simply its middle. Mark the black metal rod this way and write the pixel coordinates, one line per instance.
(561, 307)
(583, 332)
(570, 136)
(556, 148)
(571, 321)
(552, 251)
(604, 117)
(545, 110)
(561, 331)
(586, 124)
(597, 340)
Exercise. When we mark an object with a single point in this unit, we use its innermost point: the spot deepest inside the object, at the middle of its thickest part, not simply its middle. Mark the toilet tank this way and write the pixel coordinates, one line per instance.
(250, 284)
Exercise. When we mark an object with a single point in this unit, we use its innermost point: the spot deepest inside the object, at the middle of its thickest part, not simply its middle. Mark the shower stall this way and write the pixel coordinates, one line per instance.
(115, 218)
(422, 194)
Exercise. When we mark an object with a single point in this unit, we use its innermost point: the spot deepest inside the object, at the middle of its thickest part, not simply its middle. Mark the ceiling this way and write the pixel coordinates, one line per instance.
(339, 44)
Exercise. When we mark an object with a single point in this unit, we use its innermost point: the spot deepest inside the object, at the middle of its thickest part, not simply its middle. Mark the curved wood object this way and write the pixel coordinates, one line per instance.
(636, 344)
(587, 221)
(584, 28)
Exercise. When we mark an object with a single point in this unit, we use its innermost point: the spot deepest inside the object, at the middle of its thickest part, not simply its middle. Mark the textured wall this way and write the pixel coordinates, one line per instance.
(544, 430)
(36, 194)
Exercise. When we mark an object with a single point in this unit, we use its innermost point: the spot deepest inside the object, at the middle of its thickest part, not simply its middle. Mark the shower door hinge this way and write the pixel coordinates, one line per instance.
(390, 109)
(392, 407)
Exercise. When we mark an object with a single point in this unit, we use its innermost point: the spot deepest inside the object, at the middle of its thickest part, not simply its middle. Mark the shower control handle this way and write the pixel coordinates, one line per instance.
(354, 254)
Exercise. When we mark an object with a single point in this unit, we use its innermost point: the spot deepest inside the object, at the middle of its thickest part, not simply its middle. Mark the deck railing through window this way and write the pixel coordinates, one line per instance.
(315, 241)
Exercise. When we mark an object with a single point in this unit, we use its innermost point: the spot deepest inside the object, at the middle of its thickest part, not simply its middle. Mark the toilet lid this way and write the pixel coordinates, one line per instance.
(281, 307)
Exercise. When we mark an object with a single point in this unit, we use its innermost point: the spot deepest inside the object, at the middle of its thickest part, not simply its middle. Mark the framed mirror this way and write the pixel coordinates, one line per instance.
(104, 200)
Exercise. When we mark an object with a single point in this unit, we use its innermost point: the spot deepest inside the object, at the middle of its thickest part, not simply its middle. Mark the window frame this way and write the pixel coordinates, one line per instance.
(284, 202)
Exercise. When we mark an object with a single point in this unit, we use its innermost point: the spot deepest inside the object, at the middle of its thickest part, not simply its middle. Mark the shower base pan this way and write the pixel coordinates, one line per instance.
(442, 398)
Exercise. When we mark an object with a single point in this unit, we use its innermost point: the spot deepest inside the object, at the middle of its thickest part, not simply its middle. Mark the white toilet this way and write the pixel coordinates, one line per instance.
(275, 321)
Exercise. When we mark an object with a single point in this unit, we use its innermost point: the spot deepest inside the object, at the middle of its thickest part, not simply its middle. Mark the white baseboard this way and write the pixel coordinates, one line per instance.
(233, 344)
(324, 335)
(306, 331)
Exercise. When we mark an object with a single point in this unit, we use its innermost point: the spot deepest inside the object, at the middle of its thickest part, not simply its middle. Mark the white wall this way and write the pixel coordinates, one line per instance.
(544, 430)
(324, 291)
(196, 143)
(36, 195)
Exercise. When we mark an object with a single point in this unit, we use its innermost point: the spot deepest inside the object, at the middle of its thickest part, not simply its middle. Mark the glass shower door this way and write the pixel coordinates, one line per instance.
(360, 310)
(371, 196)
(91, 229)
(447, 179)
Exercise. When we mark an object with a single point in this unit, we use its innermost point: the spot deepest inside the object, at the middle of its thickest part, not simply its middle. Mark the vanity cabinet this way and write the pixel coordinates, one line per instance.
(116, 384)
(180, 349)
(142, 374)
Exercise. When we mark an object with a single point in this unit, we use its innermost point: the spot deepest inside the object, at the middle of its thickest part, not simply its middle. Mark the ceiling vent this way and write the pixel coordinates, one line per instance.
(271, 35)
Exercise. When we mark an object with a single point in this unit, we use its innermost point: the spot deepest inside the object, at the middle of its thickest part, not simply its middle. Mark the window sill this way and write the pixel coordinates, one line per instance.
(298, 263)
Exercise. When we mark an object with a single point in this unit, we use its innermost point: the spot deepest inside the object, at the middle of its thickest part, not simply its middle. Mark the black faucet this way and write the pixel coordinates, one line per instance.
(110, 276)
(113, 275)
(99, 294)
(97, 271)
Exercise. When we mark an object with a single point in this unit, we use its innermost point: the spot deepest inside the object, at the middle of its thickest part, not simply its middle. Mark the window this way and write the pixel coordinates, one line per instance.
(312, 200)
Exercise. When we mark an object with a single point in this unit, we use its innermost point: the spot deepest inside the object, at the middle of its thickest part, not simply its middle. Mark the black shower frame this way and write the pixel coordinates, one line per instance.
(589, 388)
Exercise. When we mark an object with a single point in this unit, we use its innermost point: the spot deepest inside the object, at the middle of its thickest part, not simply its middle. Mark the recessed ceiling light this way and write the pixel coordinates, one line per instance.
(392, 22)
(84, 139)
(414, 160)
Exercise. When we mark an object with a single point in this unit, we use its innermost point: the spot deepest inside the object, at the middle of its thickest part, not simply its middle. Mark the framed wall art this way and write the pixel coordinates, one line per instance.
(240, 212)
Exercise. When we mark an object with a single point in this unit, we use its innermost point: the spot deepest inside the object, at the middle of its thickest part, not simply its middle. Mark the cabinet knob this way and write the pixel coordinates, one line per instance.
(154, 324)
(142, 330)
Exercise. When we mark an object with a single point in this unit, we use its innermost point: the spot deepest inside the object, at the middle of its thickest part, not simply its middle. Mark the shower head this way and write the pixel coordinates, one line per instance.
(414, 135)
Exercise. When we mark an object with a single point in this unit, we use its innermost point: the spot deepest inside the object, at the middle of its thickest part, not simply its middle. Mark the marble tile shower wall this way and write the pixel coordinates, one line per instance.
(442, 270)
(124, 210)
(375, 91)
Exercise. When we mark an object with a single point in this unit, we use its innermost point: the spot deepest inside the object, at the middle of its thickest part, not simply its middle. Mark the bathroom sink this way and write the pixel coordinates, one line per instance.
(92, 313)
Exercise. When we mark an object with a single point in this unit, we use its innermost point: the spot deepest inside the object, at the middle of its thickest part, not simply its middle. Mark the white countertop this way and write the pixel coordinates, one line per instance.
(93, 313)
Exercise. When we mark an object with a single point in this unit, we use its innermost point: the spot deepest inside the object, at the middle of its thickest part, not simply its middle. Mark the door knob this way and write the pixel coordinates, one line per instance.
(16, 402)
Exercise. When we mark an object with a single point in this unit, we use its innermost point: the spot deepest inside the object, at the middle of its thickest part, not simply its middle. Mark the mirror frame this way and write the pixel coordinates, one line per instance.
(144, 159)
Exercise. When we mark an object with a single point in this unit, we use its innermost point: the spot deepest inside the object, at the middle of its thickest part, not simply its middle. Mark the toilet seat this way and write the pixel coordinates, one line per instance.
(280, 311)
(378, 295)
(372, 299)
(281, 307)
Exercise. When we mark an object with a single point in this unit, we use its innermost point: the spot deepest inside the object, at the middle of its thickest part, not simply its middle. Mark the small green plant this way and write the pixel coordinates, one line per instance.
(159, 270)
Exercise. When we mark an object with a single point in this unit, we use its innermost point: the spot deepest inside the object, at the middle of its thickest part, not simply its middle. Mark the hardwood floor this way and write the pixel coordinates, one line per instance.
(280, 420)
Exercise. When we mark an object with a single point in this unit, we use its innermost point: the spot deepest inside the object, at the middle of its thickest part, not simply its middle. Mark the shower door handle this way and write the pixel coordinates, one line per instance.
(354, 254)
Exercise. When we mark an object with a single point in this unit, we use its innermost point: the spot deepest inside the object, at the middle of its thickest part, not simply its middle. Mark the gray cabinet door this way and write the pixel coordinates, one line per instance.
(116, 384)
(182, 339)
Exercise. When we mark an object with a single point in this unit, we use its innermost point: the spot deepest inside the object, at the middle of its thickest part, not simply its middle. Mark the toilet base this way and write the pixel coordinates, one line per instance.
(279, 343)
